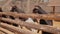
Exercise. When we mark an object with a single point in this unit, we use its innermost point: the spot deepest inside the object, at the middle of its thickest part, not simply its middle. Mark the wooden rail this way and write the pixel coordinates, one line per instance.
(16, 29)
(2, 32)
(45, 28)
(34, 16)
(6, 31)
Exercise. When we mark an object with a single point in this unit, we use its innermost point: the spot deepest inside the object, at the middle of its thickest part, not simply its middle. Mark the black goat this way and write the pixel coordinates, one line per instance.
(15, 9)
(39, 10)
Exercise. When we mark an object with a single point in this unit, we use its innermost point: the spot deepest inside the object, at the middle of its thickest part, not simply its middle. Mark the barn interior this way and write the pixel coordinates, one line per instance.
(29, 16)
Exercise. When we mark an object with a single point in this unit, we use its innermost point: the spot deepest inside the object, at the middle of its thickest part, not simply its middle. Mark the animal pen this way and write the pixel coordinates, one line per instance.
(19, 17)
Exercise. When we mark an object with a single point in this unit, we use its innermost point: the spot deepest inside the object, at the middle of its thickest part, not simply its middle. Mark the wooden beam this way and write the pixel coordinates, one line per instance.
(2, 32)
(34, 16)
(45, 28)
(13, 28)
(6, 31)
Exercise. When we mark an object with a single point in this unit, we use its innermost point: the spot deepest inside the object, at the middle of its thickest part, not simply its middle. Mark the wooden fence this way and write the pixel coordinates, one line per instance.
(13, 22)
(6, 23)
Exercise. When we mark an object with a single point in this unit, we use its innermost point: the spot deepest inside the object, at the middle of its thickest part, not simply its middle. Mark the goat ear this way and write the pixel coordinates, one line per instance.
(1, 10)
(13, 8)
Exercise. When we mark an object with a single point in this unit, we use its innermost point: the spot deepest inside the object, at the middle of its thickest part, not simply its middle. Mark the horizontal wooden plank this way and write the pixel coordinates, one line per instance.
(34, 16)
(2, 32)
(16, 29)
(6, 31)
(45, 28)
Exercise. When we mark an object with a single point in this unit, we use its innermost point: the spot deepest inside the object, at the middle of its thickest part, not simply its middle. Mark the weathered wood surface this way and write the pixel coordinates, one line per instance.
(45, 28)
(7, 6)
(2, 32)
(13, 28)
(34, 16)
(5, 30)
(7, 3)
